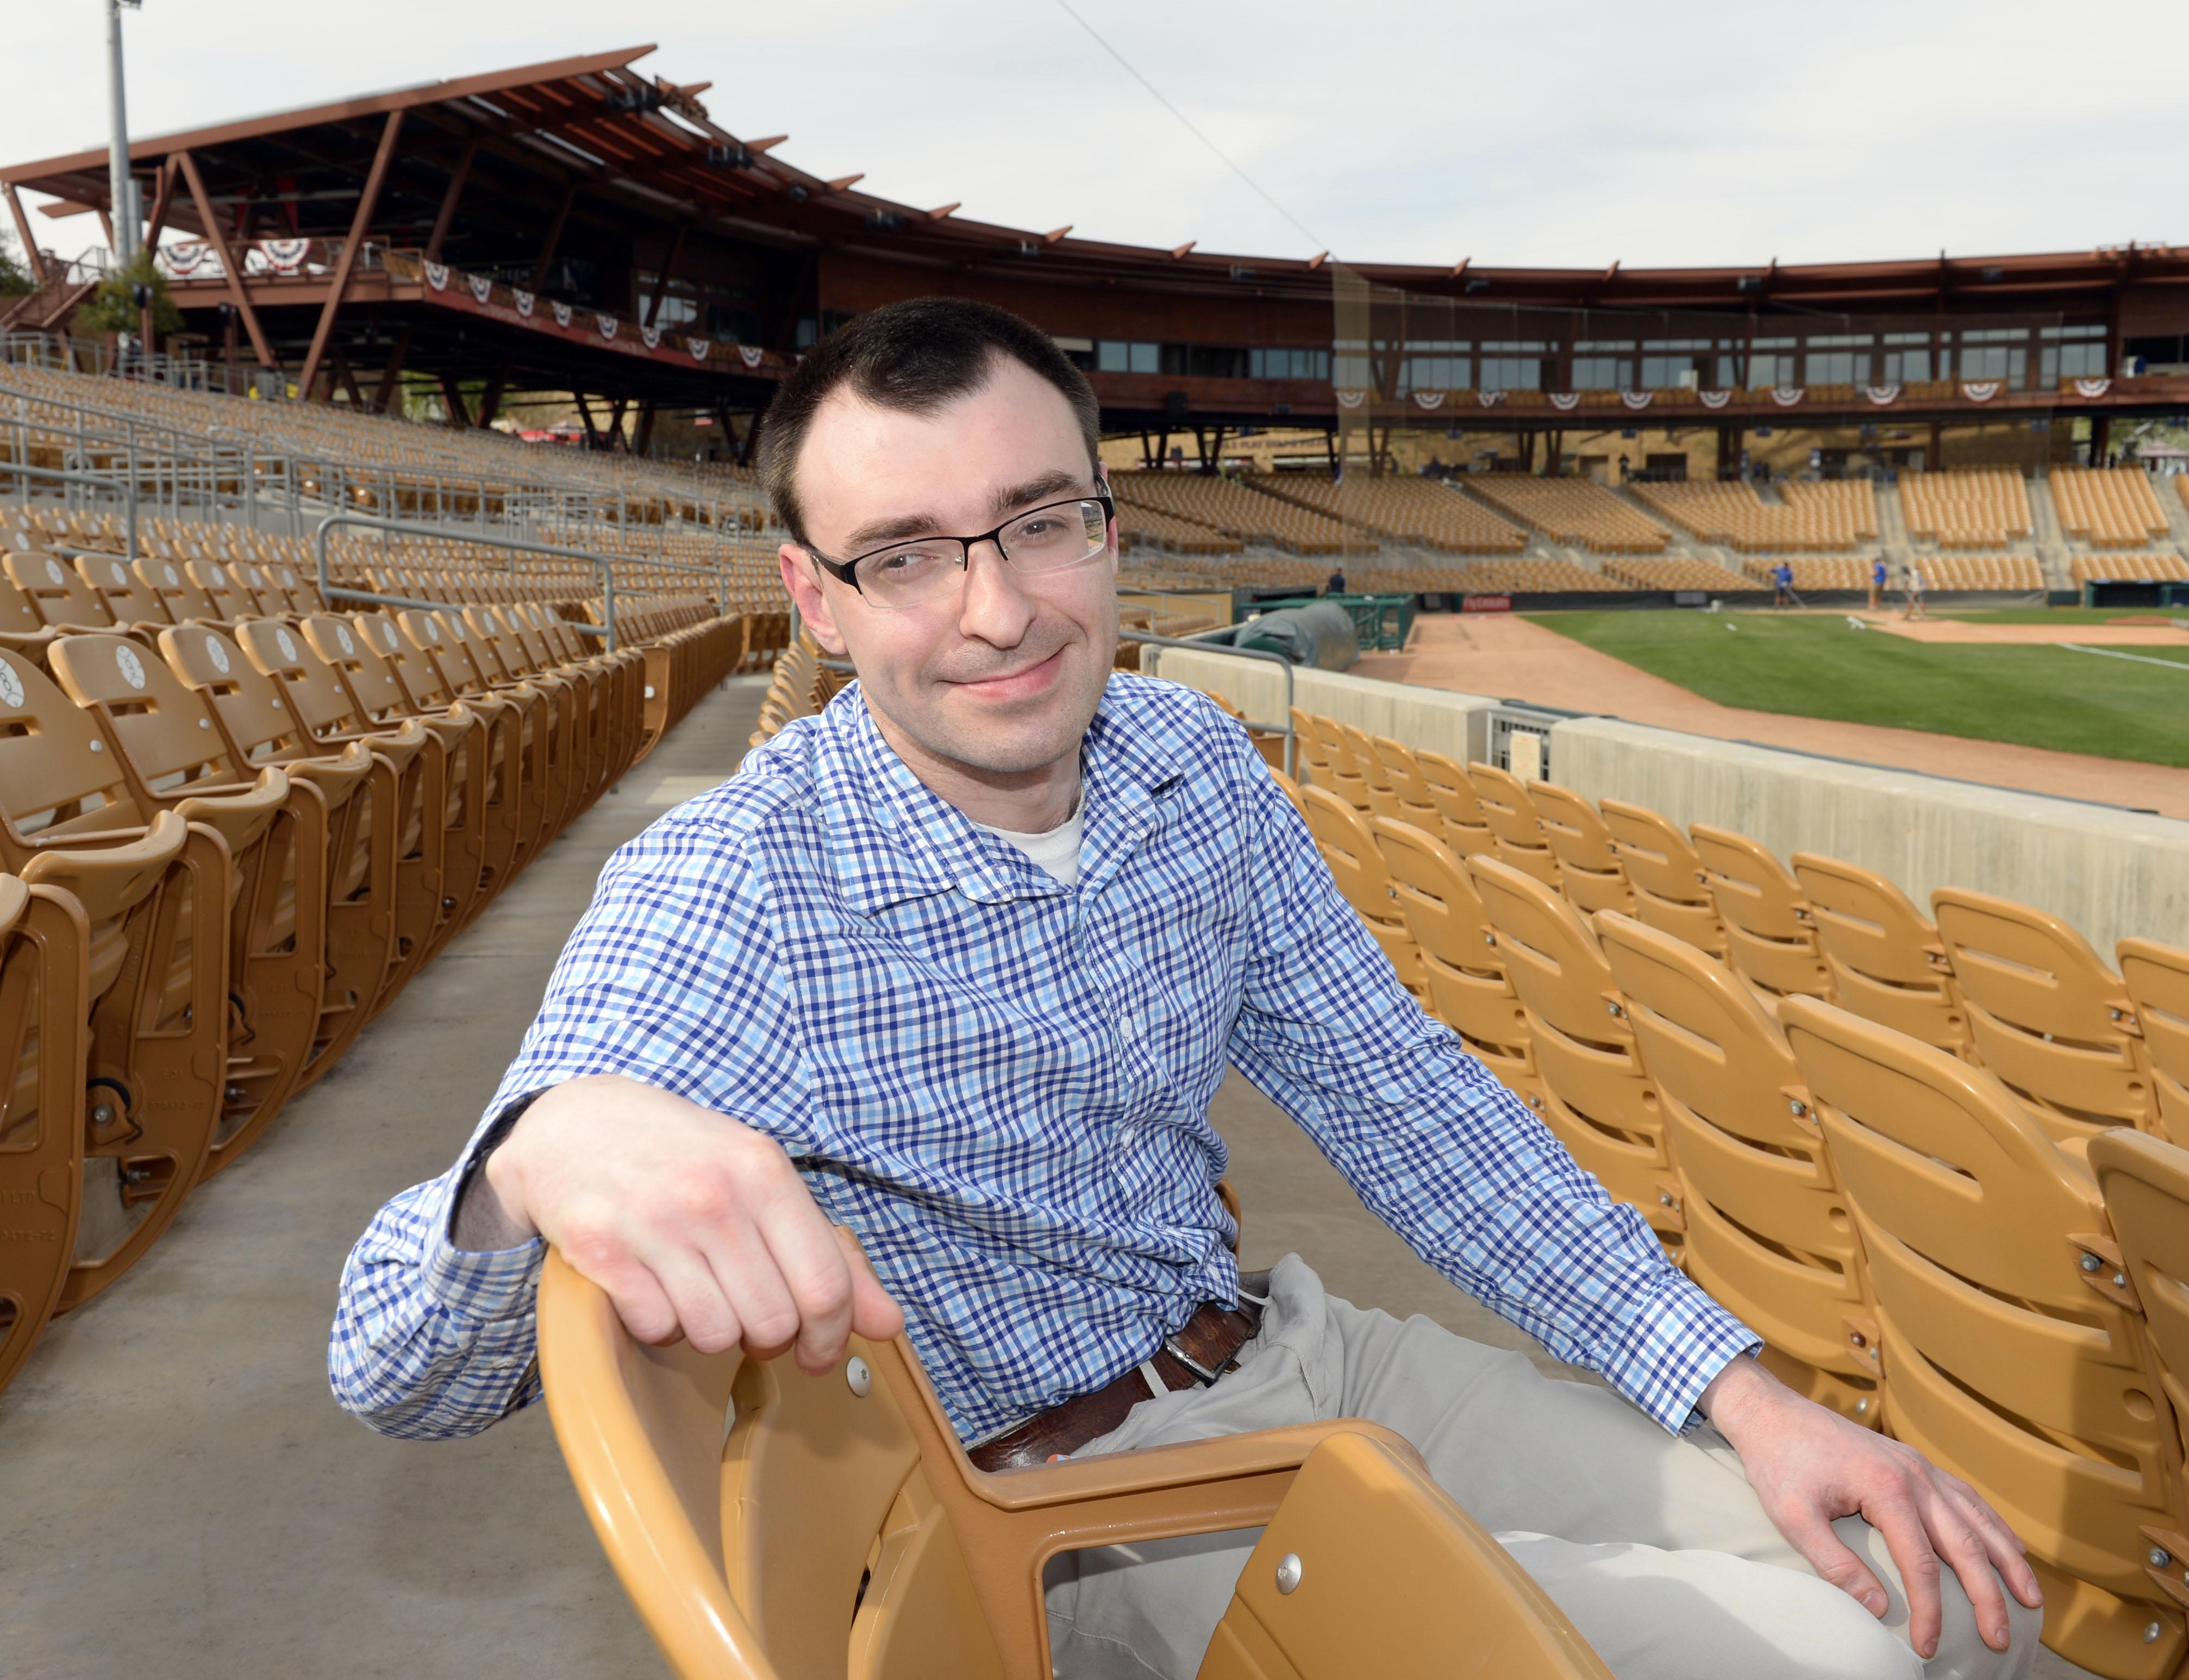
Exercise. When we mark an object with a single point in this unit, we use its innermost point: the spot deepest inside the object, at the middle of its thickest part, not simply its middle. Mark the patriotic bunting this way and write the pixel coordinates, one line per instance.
(1351, 399)
(1881, 394)
(608, 324)
(561, 313)
(1787, 395)
(1636, 400)
(285, 255)
(1429, 400)
(651, 335)
(1714, 400)
(1489, 399)
(482, 287)
(525, 300)
(437, 276)
(1980, 390)
(185, 259)
(1564, 401)
(752, 353)
(698, 348)
(2093, 388)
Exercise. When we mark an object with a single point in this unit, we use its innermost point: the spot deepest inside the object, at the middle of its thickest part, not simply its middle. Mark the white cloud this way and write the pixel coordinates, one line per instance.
(1693, 132)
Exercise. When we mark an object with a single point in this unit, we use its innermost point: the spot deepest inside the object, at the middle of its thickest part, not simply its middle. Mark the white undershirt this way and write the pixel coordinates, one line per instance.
(1056, 852)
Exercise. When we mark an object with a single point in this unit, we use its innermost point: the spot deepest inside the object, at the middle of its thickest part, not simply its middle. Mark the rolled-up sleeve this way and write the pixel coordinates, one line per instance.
(1443, 1153)
(670, 979)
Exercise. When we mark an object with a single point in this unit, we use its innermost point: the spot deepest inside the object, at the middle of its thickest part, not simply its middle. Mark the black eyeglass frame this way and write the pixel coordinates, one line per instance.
(847, 571)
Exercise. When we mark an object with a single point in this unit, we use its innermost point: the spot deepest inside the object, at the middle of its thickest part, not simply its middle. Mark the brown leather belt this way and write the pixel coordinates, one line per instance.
(1195, 1355)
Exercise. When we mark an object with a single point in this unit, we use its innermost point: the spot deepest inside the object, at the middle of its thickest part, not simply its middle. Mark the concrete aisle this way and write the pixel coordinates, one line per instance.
(180, 1497)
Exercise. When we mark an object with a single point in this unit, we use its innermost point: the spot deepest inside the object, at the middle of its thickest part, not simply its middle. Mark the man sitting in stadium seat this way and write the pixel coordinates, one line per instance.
(955, 967)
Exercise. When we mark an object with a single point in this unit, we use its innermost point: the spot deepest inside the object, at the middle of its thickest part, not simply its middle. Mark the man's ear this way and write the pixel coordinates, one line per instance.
(800, 577)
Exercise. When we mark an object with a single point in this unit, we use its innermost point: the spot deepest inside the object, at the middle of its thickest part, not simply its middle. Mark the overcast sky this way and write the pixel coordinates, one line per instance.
(1689, 132)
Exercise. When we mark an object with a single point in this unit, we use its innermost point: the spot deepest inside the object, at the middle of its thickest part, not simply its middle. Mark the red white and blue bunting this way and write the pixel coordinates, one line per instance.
(607, 324)
(1881, 395)
(2093, 388)
(1786, 396)
(185, 259)
(1980, 390)
(1351, 399)
(752, 353)
(1714, 400)
(698, 348)
(525, 300)
(651, 335)
(1429, 400)
(285, 256)
(482, 287)
(561, 313)
(1636, 400)
(437, 276)
(1564, 401)
(1489, 399)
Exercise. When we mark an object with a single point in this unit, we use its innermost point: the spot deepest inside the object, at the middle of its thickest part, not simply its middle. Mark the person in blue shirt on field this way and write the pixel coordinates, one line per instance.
(914, 1022)
(1782, 582)
(1877, 583)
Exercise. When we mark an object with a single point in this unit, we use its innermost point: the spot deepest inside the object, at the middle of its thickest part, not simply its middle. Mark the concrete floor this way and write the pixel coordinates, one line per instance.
(180, 1497)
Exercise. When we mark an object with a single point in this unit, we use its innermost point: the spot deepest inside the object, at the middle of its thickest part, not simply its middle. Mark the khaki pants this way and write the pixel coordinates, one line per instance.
(1653, 1544)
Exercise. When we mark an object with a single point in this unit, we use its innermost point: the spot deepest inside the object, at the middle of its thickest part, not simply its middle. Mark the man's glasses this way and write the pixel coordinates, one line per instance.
(1049, 539)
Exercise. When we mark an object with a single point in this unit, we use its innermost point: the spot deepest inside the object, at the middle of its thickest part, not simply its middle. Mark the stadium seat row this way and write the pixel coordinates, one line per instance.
(228, 840)
(1926, 1161)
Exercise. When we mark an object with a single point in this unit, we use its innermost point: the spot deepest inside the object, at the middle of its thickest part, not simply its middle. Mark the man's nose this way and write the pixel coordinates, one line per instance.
(994, 607)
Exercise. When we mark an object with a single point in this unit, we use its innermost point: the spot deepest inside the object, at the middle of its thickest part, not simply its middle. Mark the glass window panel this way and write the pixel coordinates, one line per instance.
(1144, 358)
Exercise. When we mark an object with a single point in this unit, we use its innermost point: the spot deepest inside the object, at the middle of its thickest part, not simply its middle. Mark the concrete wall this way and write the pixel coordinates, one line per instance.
(2108, 872)
(1430, 719)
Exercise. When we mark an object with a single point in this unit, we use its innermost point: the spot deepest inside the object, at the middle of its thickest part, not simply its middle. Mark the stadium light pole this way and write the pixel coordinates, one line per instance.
(121, 207)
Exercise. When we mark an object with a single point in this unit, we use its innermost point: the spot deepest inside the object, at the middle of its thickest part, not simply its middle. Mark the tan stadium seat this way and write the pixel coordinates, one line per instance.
(1342, 836)
(2158, 980)
(1598, 1098)
(2011, 1357)
(1768, 1230)
(1770, 936)
(1417, 803)
(1589, 870)
(121, 591)
(1464, 974)
(587, 730)
(746, 1505)
(1515, 827)
(555, 706)
(438, 646)
(1291, 790)
(231, 601)
(2146, 1185)
(1670, 892)
(179, 594)
(1348, 778)
(1883, 954)
(158, 978)
(2047, 1015)
(1312, 759)
(1375, 776)
(174, 756)
(455, 763)
(388, 841)
(22, 631)
(1466, 829)
(43, 1019)
(58, 594)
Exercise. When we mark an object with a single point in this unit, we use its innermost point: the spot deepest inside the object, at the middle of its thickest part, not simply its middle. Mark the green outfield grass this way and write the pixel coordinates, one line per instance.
(1814, 665)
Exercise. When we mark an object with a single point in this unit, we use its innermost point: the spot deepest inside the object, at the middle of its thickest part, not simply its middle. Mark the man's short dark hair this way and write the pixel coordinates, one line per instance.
(916, 356)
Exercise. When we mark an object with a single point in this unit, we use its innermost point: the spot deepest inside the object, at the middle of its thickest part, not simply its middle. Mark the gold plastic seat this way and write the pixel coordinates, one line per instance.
(2145, 1182)
(173, 756)
(1311, 759)
(1597, 1096)
(1464, 974)
(1375, 776)
(1516, 830)
(2046, 1014)
(58, 594)
(2158, 980)
(1768, 1234)
(1770, 938)
(1291, 789)
(1348, 780)
(1671, 891)
(2010, 1356)
(44, 1002)
(154, 897)
(772, 1525)
(1466, 829)
(440, 665)
(120, 591)
(1886, 962)
(22, 631)
(1342, 836)
(1589, 870)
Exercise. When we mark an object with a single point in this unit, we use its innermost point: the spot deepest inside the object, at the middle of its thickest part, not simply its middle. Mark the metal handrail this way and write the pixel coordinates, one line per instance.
(1291, 746)
(97, 481)
(329, 591)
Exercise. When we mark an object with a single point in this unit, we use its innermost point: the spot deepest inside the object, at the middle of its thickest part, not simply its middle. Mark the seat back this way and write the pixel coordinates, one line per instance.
(1589, 870)
(1671, 891)
(1348, 780)
(1466, 829)
(415, 653)
(2046, 1014)
(1596, 1097)
(313, 685)
(1769, 936)
(169, 738)
(1342, 836)
(179, 593)
(127, 600)
(20, 626)
(1768, 1230)
(231, 600)
(2011, 1358)
(350, 646)
(61, 596)
(1884, 955)
(1417, 804)
(1511, 814)
(247, 703)
(2158, 980)
(2146, 1184)
(1370, 1568)
(1383, 796)
(265, 596)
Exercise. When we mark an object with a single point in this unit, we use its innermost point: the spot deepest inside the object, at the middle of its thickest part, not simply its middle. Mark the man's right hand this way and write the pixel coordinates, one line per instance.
(694, 1224)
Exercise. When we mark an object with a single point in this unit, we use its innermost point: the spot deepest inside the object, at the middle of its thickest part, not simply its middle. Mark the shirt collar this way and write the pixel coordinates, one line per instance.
(891, 839)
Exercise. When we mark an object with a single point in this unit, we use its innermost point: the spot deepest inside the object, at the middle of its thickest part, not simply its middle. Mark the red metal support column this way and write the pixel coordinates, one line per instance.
(162, 201)
(452, 398)
(554, 237)
(31, 254)
(661, 280)
(346, 264)
(392, 373)
(641, 441)
(231, 263)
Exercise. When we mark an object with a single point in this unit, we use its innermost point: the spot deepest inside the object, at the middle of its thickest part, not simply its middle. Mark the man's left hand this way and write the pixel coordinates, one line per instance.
(1809, 1466)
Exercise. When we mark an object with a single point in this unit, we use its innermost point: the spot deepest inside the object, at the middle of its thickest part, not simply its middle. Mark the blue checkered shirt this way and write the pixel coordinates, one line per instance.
(1002, 1084)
